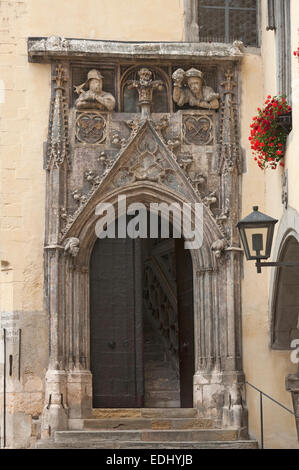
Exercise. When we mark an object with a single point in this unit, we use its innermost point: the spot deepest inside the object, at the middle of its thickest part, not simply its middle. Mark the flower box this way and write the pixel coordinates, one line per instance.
(285, 122)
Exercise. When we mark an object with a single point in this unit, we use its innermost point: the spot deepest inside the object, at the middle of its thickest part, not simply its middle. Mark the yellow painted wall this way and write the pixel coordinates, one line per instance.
(264, 367)
(24, 113)
(24, 107)
(120, 20)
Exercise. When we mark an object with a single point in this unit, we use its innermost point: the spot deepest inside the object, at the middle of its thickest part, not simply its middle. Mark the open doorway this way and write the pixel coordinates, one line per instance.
(141, 323)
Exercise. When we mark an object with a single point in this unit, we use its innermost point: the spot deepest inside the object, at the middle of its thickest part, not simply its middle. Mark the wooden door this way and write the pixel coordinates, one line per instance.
(184, 275)
(116, 324)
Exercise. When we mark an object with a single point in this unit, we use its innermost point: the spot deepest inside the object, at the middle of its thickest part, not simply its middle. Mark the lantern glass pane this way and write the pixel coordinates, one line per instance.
(257, 240)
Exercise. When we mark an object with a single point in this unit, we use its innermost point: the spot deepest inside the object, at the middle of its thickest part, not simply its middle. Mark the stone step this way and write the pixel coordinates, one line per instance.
(155, 403)
(147, 423)
(188, 435)
(105, 413)
(147, 445)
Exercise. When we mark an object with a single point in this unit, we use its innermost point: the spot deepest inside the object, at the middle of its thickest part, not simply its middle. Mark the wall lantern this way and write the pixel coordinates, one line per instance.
(256, 232)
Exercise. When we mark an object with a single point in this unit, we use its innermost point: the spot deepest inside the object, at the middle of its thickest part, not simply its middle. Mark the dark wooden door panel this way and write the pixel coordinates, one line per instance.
(186, 322)
(113, 324)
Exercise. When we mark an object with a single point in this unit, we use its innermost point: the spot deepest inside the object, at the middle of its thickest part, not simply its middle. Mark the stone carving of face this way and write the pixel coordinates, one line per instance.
(96, 85)
(145, 75)
(195, 85)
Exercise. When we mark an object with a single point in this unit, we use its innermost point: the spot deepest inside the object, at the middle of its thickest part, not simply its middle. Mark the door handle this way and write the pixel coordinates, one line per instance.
(112, 344)
(185, 345)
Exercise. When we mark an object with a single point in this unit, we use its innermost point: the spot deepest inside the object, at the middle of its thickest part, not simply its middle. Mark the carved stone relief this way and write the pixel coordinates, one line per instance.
(94, 97)
(190, 155)
(198, 130)
(145, 86)
(91, 128)
(188, 88)
(58, 141)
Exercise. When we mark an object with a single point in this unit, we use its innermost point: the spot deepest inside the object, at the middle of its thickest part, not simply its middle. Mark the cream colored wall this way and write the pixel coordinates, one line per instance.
(120, 20)
(264, 367)
(24, 112)
(24, 91)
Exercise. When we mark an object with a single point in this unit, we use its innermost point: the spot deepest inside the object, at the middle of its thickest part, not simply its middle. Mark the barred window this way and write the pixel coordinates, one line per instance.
(228, 21)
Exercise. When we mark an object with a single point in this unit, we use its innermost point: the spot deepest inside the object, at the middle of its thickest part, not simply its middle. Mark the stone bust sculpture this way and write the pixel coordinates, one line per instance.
(94, 97)
(189, 89)
(145, 85)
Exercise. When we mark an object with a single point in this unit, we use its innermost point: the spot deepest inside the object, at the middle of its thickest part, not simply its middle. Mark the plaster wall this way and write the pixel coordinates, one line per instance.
(24, 110)
(264, 367)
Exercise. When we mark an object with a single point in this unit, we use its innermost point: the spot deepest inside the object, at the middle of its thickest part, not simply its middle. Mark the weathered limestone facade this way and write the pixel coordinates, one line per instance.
(47, 155)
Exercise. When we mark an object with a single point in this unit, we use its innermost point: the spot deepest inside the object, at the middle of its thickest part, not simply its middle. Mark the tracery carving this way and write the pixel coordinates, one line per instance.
(91, 128)
(147, 164)
(198, 130)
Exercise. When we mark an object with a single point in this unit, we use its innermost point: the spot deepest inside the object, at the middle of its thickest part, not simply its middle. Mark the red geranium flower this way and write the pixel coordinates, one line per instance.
(267, 139)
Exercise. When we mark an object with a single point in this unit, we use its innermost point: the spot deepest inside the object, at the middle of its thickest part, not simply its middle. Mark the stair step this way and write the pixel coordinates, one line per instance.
(147, 423)
(189, 435)
(161, 412)
(155, 403)
(148, 445)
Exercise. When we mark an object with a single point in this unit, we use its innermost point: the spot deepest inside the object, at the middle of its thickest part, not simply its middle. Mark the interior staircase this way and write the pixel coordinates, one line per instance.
(146, 428)
(161, 380)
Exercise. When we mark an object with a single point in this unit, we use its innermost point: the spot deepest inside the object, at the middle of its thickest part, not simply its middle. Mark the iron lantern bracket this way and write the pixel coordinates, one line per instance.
(280, 264)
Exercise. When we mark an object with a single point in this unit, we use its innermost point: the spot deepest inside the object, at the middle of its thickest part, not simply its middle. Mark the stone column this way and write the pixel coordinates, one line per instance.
(55, 414)
(79, 378)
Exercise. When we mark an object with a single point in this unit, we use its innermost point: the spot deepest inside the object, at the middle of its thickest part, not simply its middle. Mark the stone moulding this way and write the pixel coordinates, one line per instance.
(53, 48)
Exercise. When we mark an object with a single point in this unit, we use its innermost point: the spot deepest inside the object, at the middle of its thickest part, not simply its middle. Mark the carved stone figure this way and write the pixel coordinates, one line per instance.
(145, 87)
(72, 246)
(218, 247)
(189, 89)
(94, 97)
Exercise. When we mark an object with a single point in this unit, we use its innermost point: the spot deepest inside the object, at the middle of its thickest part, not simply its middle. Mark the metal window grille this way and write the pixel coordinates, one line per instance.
(228, 21)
